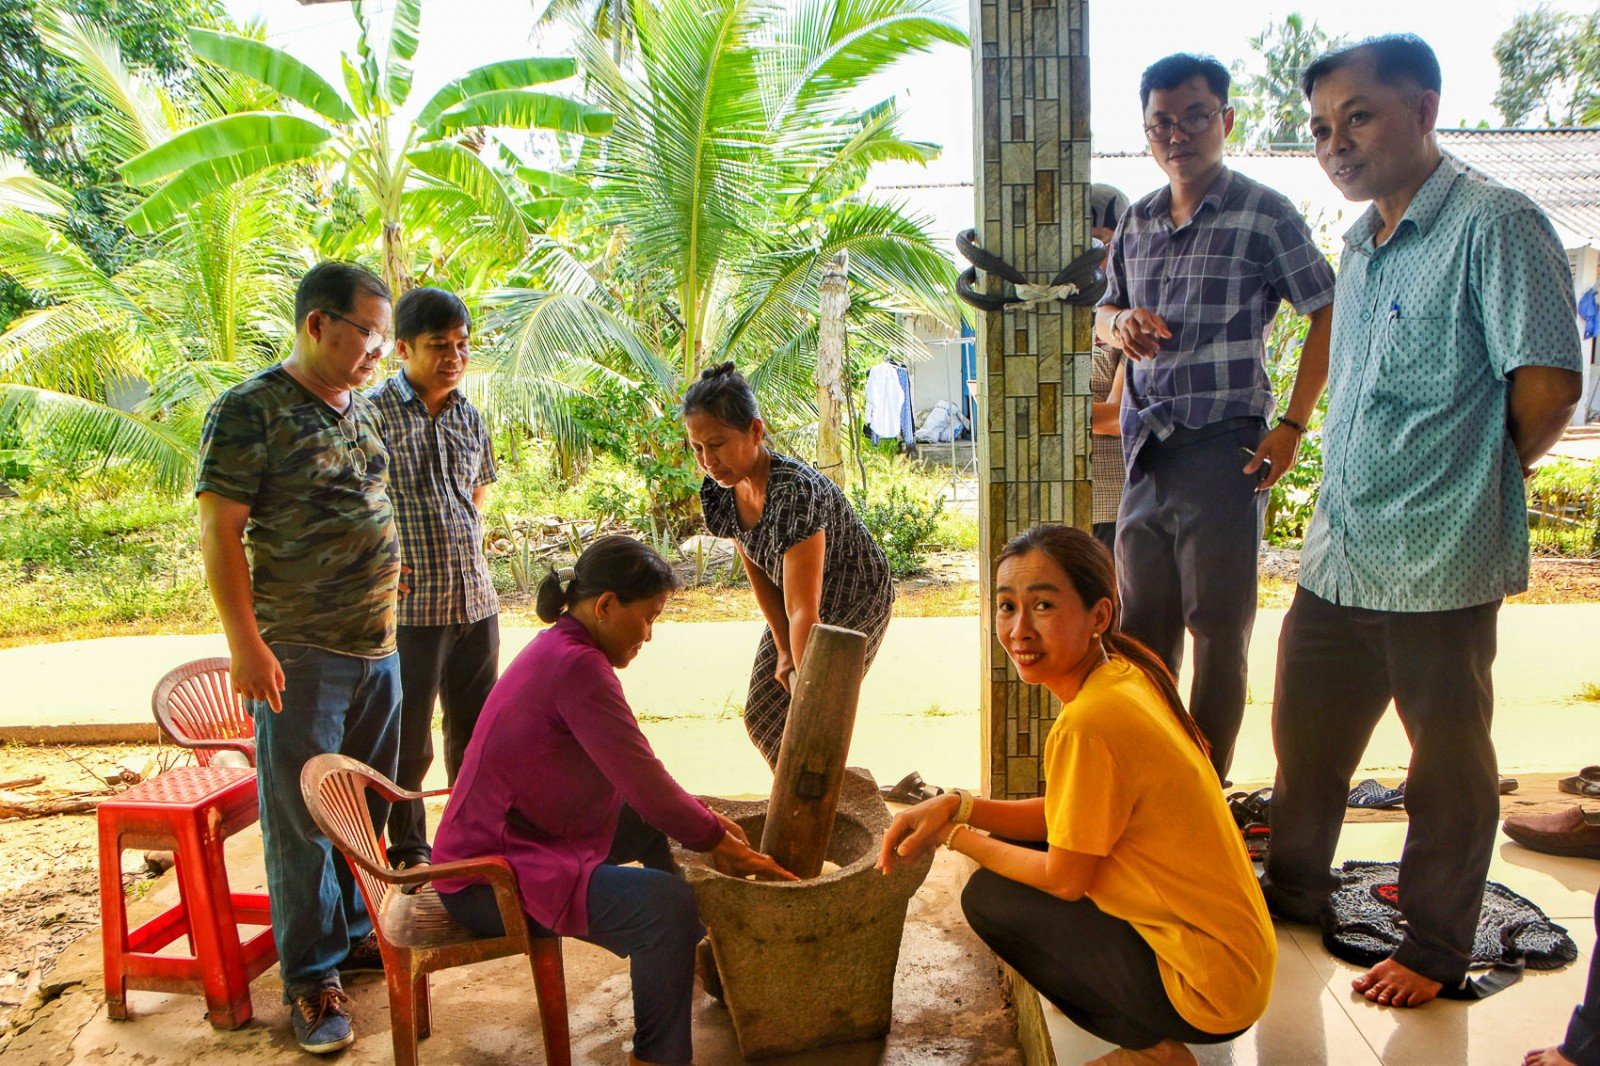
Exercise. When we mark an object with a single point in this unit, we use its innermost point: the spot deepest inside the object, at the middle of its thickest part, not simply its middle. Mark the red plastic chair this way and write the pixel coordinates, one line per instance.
(416, 935)
(196, 708)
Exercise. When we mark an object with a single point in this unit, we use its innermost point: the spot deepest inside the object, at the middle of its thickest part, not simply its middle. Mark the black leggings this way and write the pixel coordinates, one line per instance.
(1097, 969)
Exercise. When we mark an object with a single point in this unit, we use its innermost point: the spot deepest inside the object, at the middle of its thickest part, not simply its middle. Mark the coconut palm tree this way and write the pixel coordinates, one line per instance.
(120, 368)
(732, 174)
(414, 175)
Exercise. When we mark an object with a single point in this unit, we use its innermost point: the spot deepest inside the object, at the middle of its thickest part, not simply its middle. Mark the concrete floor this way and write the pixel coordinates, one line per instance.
(688, 686)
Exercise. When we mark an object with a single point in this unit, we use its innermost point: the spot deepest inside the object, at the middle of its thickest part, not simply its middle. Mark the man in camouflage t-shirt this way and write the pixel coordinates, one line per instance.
(300, 552)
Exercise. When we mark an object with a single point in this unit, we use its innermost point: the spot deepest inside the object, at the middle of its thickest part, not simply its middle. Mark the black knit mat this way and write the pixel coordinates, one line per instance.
(1362, 923)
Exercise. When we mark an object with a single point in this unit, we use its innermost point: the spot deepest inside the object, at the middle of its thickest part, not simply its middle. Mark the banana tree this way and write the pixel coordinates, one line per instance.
(415, 175)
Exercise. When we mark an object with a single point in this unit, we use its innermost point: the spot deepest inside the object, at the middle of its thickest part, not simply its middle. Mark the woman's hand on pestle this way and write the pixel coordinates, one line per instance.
(918, 829)
(736, 858)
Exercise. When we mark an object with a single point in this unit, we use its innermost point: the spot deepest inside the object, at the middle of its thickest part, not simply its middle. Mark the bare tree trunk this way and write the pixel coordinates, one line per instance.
(396, 261)
(834, 299)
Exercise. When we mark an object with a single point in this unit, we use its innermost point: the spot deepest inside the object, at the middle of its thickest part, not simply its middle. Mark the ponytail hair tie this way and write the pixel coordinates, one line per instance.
(564, 576)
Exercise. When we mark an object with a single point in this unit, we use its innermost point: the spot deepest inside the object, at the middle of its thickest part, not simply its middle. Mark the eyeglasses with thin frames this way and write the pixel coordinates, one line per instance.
(375, 341)
(1193, 125)
(350, 430)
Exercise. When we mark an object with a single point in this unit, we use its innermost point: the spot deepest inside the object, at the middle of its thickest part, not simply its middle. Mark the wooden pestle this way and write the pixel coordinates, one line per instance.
(816, 740)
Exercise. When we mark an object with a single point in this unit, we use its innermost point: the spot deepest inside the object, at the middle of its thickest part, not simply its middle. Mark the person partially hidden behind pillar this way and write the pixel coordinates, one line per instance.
(1455, 367)
(1198, 271)
(1124, 894)
(809, 557)
(559, 779)
(1107, 205)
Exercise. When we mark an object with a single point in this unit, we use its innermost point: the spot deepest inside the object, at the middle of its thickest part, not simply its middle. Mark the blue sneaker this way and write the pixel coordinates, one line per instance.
(321, 1020)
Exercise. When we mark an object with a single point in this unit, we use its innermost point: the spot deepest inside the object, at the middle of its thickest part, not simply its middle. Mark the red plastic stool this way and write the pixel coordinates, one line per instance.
(189, 811)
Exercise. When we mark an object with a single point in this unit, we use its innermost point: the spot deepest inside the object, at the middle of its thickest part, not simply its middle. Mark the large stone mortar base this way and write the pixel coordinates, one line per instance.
(811, 963)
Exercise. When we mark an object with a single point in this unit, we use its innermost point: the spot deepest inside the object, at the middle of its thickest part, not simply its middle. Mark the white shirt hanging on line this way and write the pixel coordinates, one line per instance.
(884, 398)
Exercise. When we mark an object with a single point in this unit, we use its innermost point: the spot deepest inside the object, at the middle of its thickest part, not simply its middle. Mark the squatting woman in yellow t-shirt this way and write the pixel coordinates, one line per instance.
(1135, 909)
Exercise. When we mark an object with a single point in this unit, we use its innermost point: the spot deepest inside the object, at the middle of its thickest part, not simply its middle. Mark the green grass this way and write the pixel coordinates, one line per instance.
(126, 565)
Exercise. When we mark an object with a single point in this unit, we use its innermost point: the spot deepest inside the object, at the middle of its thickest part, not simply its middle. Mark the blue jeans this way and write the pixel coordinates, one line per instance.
(646, 916)
(331, 703)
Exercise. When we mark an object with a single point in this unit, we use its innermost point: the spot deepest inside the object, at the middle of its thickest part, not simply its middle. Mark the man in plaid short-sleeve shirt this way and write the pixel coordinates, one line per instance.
(441, 467)
(1198, 271)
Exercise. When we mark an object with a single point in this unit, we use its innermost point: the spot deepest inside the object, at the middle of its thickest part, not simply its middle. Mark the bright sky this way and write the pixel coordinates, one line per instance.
(937, 89)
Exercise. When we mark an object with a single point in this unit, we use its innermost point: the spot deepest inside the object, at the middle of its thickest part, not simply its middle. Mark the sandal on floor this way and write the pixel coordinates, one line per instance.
(1370, 795)
(1580, 785)
(1257, 841)
(910, 789)
(1251, 807)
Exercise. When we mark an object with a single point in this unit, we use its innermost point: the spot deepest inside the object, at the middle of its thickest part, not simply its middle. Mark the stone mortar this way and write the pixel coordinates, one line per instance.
(811, 963)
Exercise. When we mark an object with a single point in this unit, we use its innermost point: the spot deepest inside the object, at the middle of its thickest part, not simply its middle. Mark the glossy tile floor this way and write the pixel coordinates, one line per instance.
(1315, 1018)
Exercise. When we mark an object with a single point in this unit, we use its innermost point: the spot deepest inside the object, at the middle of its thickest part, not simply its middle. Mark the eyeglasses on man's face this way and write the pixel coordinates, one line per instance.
(376, 341)
(350, 430)
(1193, 125)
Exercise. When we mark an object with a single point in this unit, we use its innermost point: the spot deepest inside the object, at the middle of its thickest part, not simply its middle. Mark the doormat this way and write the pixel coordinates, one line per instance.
(1362, 925)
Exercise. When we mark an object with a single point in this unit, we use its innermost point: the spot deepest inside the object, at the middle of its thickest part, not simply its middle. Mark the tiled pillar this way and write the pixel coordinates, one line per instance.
(1031, 80)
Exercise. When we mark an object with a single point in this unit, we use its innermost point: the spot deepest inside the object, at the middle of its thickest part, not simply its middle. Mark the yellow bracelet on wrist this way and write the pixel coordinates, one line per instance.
(951, 836)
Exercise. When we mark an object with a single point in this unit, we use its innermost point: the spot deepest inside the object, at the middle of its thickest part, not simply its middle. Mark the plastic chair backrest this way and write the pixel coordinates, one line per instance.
(195, 703)
(335, 790)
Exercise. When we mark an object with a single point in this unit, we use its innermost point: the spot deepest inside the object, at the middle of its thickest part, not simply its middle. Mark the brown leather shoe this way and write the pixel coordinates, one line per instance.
(1574, 832)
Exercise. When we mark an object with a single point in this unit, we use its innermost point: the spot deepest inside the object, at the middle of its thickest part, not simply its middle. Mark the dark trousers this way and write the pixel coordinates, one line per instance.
(1188, 535)
(1097, 969)
(1106, 533)
(1338, 668)
(646, 916)
(454, 667)
(1582, 1044)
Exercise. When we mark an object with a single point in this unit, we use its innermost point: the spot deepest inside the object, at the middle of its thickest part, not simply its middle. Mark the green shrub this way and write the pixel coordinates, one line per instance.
(902, 524)
(1564, 509)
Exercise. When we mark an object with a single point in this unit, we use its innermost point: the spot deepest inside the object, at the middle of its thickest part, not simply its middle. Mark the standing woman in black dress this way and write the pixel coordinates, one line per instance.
(809, 557)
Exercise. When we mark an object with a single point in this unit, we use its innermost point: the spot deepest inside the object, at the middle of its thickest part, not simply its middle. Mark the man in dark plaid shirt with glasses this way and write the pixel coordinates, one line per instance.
(441, 465)
(1198, 271)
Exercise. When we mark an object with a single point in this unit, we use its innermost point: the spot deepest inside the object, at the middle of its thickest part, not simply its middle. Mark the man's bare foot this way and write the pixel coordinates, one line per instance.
(1391, 985)
(1166, 1053)
(1546, 1056)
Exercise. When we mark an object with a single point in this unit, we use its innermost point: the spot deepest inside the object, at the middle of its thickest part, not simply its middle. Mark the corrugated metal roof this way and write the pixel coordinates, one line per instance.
(1558, 168)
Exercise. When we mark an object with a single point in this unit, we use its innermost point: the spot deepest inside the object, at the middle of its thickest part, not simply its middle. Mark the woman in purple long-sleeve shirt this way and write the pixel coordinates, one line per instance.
(559, 779)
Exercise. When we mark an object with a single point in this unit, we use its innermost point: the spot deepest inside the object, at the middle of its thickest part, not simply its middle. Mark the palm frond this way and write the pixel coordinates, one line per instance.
(135, 115)
(21, 190)
(82, 430)
(822, 50)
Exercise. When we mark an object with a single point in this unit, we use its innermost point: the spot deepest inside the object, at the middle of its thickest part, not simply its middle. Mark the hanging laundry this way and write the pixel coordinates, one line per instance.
(907, 431)
(885, 397)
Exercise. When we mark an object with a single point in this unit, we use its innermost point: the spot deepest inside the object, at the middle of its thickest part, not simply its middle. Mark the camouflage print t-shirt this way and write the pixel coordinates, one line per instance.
(324, 560)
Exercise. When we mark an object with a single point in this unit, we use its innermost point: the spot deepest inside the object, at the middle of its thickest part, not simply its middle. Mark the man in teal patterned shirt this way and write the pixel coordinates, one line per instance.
(1454, 367)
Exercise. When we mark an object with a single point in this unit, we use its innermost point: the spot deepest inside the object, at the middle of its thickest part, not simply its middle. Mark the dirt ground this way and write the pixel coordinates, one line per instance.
(1553, 579)
(49, 866)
